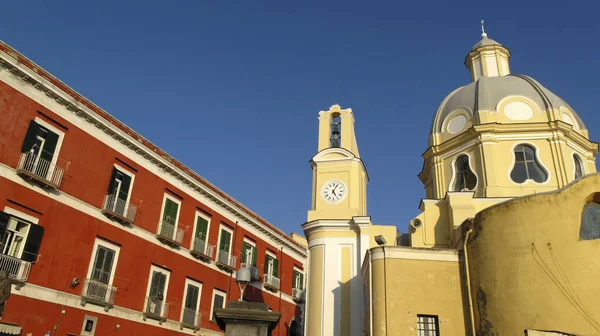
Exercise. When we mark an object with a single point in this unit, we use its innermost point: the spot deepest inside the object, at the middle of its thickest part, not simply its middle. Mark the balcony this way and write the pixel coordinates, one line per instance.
(156, 309)
(202, 250)
(33, 167)
(17, 269)
(271, 282)
(118, 209)
(99, 293)
(169, 233)
(254, 275)
(226, 261)
(297, 295)
(191, 319)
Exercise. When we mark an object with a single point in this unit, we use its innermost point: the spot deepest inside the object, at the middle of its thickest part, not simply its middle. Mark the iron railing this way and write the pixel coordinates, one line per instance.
(99, 292)
(272, 281)
(226, 259)
(254, 274)
(191, 318)
(156, 308)
(170, 232)
(115, 205)
(297, 294)
(41, 169)
(16, 268)
(202, 247)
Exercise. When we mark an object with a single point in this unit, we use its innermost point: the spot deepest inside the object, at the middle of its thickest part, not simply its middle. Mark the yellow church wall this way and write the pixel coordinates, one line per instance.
(387, 231)
(528, 267)
(315, 293)
(412, 282)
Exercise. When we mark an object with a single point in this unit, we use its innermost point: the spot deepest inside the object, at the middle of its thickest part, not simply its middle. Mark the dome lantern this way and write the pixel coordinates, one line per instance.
(487, 58)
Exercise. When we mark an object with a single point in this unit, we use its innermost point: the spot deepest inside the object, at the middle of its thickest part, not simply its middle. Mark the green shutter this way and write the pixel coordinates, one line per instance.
(243, 256)
(267, 258)
(276, 268)
(225, 240)
(201, 228)
(254, 255)
(294, 275)
(170, 212)
(301, 281)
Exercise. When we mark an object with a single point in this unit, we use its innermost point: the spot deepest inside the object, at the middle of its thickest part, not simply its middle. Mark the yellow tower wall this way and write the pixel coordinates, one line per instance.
(528, 268)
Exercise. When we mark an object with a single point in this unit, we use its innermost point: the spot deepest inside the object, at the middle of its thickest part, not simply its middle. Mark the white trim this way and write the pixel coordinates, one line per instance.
(453, 167)
(154, 268)
(20, 214)
(94, 212)
(162, 211)
(273, 255)
(97, 127)
(226, 228)
(189, 281)
(212, 303)
(208, 219)
(86, 318)
(132, 176)
(538, 159)
(253, 244)
(410, 253)
(106, 244)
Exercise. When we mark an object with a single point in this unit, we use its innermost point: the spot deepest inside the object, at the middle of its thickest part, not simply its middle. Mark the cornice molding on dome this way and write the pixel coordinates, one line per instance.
(155, 156)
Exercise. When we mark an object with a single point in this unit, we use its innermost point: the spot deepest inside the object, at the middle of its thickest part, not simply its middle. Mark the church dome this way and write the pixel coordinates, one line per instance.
(485, 41)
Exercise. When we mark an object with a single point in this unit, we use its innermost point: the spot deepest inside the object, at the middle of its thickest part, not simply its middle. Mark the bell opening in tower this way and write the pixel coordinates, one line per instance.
(336, 137)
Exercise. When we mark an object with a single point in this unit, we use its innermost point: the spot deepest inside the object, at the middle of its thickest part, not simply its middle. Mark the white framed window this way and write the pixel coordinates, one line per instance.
(249, 252)
(225, 238)
(464, 178)
(42, 142)
(527, 165)
(218, 301)
(298, 278)
(191, 302)
(119, 190)
(156, 293)
(169, 215)
(103, 262)
(201, 228)
(89, 325)
(271, 264)
(579, 170)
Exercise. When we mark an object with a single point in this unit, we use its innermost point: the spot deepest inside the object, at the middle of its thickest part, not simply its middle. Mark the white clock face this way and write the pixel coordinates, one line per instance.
(333, 191)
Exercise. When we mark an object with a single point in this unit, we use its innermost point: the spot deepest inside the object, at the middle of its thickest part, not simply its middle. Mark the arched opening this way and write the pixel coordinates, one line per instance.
(579, 171)
(336, 130)
(526, 166)
(590, 222)
(464, 178)
(294, 329)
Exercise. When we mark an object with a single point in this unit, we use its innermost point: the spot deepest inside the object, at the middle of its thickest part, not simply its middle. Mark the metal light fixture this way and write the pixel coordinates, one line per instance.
(380, 240)
(242, 277)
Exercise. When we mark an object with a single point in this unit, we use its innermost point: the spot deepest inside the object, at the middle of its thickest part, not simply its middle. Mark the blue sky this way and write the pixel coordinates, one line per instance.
(233, 88)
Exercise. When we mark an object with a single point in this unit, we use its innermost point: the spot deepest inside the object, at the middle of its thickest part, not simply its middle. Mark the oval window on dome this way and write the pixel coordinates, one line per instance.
(457, 124)
(518, 111)
(527, 166)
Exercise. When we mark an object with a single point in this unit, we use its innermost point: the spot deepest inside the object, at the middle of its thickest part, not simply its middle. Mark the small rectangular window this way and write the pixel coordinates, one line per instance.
(298, 280)
(218, 302)
(427, 325)
(89, 325)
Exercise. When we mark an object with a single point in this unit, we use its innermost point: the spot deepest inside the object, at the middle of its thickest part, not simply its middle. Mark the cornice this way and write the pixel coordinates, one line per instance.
(19, 66)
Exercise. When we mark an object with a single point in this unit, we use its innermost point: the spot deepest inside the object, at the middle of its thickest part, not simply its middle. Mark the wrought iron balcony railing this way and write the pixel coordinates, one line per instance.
(271, 282)
(226, 261)
(297, 294)
(191, 318)
(98, 293)
(17, 269)
(119, 209)
(33, 167)
(202, 249)
(169, 233)
(156, 309)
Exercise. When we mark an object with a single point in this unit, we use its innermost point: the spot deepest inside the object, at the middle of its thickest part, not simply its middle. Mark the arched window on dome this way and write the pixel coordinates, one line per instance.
(526, 166)
(590, 222)
(578, 166)
(464, 178)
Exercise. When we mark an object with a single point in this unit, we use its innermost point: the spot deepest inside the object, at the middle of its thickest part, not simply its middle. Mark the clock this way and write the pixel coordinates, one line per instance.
(333, 191)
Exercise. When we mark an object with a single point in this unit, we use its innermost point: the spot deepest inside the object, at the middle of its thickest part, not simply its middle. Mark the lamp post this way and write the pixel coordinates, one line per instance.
(242, 277)
(380, 240)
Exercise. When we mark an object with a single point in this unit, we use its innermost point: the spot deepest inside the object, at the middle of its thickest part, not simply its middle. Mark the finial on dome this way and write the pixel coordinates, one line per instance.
(483, 34)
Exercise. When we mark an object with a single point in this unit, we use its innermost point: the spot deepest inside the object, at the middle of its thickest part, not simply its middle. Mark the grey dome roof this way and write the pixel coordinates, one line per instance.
(486, 92)
(485, 41)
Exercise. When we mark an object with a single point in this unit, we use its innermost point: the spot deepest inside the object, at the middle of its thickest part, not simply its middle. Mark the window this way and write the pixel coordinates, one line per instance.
(168, 229)
(20, 238)
(41, 146)
(271, 265)
(298, 280)
(191, 303)
(249, 253)
(119, 191)
(218, 301)
(590, 222)
(170, 211)
(225, 239)
(157, 291)
(101, 272)
(526, 166)
(89, 325)
(427, 325)
(578, 166)
(464, 178)
(201, 228)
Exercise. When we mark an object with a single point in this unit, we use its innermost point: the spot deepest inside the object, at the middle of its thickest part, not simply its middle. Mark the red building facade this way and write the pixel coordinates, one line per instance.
(105, 234)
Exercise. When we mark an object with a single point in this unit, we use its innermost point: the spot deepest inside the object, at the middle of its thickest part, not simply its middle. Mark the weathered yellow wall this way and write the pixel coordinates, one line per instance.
(315, 290)
(417, 286)
(529, 270)
(387, 231)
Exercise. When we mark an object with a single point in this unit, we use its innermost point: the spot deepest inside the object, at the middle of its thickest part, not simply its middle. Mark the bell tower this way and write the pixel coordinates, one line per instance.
(338, 229)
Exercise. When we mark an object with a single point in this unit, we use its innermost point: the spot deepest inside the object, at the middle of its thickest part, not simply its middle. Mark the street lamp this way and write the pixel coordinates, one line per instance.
(242, 277)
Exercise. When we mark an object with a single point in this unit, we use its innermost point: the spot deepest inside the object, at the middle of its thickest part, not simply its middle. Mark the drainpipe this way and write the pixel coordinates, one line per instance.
(232, 252)
(471, 310)
(281, 277)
